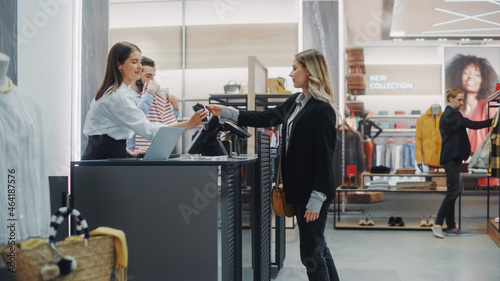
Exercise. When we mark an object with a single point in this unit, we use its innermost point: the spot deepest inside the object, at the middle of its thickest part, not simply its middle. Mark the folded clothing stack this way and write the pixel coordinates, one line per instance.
(406, 170)
(399, 125)
(380, 170)
(379, 184)
(383, 125)
(422, 185)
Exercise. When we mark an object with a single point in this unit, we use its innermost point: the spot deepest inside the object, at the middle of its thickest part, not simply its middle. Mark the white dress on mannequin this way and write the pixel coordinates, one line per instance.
(22, 164)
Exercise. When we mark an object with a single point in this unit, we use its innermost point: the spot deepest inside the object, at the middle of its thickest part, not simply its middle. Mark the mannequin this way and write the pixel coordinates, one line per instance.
(365, 128)
(428, 138)
(435, 109)
(22, 168)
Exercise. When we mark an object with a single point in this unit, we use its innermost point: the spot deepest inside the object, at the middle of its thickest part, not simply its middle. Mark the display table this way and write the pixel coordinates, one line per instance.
(170, 213)
(337, 224)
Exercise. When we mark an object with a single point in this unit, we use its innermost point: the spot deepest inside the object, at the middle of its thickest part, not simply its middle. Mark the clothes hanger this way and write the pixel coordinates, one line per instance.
(344, 127)
(390, 140)
(409, 140)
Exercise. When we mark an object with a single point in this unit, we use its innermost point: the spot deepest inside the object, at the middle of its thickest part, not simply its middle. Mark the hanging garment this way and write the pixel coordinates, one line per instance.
(24, 199)
(353, 154)
(479, 113)
(391, 160)
(494, 170)
(428, 139)
(481, 157)
(409, 155)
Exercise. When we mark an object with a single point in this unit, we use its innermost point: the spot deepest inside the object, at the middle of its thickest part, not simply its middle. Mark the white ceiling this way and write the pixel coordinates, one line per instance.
(372, 22)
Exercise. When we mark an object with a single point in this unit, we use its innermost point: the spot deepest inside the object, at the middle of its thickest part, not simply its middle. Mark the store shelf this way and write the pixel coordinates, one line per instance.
(396, 130)
(393, 116)
(383, 225)
(337, 223)
(393, 189)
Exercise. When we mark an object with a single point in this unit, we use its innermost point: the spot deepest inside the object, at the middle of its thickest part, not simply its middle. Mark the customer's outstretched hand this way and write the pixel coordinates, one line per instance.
(215, 109)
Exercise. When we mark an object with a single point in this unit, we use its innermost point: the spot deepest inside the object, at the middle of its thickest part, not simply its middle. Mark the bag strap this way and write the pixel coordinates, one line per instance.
(279, 168)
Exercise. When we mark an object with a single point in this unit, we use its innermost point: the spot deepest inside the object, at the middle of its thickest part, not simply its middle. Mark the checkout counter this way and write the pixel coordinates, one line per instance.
(182, 217)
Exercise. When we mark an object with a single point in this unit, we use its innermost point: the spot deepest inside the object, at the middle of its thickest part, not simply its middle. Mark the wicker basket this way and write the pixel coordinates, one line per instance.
(95, 262)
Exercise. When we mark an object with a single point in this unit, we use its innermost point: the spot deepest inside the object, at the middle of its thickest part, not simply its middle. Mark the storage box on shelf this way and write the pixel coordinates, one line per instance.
(338, 224)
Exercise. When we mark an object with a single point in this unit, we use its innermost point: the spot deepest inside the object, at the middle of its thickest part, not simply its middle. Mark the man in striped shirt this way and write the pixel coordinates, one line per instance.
(164, 107)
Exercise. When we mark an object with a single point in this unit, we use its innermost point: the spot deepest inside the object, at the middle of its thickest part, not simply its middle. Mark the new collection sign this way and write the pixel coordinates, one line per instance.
(403, 79)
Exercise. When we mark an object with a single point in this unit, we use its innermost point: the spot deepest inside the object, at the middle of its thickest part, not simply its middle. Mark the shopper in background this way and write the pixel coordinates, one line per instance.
(308, 143)
(476, 78)
(162, 107)
(113, 115)
(455, 149)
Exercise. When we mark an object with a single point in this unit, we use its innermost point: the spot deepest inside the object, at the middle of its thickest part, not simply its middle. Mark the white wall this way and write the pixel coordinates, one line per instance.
(401, 56)
(45, 49)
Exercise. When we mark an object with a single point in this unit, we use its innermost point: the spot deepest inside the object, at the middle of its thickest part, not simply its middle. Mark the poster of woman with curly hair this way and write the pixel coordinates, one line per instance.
(472, 70)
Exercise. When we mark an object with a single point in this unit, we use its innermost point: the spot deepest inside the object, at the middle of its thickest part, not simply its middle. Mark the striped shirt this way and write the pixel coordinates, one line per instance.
(160, 112)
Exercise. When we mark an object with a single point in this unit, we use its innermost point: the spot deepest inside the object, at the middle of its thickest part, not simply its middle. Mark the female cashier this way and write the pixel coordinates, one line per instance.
(113, 115)
(308, 131)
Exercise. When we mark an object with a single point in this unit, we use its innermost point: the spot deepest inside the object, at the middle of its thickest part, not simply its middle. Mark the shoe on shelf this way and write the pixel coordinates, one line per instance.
(457, 232)
(369, 220)
(423, 221)
(399, 221)
(430, 221)
(353, 182)
(345, 183)
(496, 219)
(392, 221)
(438, 231)
(362, 221)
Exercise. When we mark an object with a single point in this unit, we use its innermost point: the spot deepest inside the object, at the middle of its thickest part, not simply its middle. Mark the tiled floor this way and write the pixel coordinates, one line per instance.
(405, 255)
(396, 255)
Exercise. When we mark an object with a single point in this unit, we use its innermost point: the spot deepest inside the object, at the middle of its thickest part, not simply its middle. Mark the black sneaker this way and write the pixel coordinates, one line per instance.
(399, 222)
(391, 222)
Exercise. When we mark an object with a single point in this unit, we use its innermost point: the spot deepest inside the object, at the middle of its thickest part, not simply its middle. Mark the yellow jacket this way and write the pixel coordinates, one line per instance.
(428, 139)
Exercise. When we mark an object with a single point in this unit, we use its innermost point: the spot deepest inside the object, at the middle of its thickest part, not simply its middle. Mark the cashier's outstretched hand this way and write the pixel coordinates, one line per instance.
(310, 215)
(215, 109)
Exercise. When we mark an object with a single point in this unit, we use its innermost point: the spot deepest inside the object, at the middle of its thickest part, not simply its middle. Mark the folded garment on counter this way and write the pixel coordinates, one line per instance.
(421, 185)
(380, 170)
(406, 170)
(379, 184)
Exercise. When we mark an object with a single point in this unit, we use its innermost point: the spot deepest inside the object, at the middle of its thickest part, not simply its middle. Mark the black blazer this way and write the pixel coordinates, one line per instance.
(308, 164)
(455, 141)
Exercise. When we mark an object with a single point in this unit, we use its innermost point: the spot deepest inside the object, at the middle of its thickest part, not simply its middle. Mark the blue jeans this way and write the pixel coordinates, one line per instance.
(447, 209)
(409, 155)
(314, 252)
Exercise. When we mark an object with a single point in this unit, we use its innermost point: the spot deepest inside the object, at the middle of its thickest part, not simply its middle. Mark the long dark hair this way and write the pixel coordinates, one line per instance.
(113, 78)
(456, 66)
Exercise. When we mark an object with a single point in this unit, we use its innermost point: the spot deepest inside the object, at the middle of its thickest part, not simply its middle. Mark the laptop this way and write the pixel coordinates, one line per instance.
(163, 144)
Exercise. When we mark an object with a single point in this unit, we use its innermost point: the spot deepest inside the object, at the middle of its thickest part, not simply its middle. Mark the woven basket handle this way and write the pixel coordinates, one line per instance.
(59, 216)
